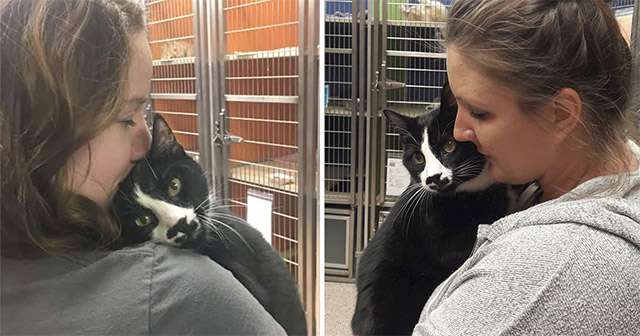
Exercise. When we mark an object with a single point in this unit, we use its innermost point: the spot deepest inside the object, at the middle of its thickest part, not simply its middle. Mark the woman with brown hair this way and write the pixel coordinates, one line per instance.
(542, 89)
(74, 80)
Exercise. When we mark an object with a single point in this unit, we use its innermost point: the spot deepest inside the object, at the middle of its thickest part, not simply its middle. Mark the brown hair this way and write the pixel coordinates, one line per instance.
(537, 47)
(62, 70)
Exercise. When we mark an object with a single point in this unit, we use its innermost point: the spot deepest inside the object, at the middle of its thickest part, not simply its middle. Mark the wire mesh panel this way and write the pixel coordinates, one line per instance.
(338, 115)
(415, 63)
(171, 37)
(416, 58)
(623, 10)
(622, 4)
(261, 76)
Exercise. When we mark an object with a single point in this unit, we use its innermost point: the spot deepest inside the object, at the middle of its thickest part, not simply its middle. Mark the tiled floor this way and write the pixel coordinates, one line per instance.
(340, 302)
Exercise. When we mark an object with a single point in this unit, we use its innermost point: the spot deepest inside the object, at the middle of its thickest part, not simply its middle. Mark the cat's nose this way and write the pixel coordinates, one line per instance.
(436, 181)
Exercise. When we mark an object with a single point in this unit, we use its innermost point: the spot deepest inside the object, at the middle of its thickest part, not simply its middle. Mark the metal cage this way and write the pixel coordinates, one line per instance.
(415, 67)
(170, 27)
(260, 72)
(383, 54)
(339, 116)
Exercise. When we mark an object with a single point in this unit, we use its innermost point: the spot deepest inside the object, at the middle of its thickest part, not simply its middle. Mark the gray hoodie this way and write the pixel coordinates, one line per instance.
(569, 266)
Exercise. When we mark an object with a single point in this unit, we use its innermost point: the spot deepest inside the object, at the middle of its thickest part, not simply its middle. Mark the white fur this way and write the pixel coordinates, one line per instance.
(167, 214)
(426, 10)
(432, 164)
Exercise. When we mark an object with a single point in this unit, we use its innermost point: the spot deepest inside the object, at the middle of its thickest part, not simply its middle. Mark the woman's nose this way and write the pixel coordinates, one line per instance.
(141, 140)
(462, 130)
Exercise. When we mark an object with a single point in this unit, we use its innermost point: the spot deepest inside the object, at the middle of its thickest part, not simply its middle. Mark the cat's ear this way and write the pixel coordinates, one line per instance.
(398, 120)
(403, 124)
(164, 142)
(447, 99)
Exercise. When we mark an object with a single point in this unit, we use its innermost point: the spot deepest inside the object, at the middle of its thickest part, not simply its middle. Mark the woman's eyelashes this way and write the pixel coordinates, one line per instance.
(477, 114)
(129, 122)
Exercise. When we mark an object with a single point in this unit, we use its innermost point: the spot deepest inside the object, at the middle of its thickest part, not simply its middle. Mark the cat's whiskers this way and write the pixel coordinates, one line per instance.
(409, 203)
(469, 171)
(202, 203)
(210, 223)
(422, 193)
(151, 168)
(409, 192)
(407, 133)
(211, 220)
(216, 207)
(216, 230)
(416, 203)
(125, 196)
(444, 130)
(470, 166)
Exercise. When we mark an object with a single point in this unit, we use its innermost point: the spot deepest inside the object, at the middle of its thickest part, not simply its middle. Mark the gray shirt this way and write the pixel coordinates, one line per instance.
(146, 289)
(569, 266)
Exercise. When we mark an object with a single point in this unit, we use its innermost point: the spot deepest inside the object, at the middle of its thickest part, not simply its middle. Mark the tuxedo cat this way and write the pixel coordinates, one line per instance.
(431, 229)
(165, 199)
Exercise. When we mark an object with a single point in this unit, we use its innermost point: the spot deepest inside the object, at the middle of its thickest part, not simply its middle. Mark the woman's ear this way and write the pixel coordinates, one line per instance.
(564, 113)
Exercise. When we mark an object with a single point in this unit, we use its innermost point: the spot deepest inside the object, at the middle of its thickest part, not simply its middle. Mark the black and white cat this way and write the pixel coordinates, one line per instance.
(165, 199)
(431, 229)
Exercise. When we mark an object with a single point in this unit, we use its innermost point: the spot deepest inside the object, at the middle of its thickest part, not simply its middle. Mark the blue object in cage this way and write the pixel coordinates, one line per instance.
(326, 96)
(341, 8)
(338, 7)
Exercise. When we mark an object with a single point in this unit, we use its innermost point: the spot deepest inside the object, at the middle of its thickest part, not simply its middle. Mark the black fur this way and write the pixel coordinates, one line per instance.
(227, 240)
(427, 235)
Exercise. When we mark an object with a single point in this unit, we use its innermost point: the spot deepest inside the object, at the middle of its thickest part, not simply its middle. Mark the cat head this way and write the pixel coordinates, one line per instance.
(165, 196)
(431, 154)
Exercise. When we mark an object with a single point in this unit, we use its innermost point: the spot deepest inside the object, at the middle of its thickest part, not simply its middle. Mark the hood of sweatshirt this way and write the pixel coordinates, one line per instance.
(616, 212)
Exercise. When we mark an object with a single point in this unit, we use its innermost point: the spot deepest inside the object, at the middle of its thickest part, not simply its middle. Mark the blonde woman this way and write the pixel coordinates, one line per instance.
(542, 88)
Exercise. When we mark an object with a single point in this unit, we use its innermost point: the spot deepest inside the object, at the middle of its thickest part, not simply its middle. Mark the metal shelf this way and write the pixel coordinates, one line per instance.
(400, 53)
(337, 19)
(174, 61)
(174, 96)
(276, 53)
(261, 99)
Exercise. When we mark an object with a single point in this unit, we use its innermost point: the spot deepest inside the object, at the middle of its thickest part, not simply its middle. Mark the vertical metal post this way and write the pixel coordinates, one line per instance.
(382, 103)
(308, 183)
(217, 18)
(376, 75)
(359, 93)
(207, 93)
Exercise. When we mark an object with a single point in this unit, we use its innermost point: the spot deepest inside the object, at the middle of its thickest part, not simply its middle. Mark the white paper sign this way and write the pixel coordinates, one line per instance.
(259, 207)
(398, 177)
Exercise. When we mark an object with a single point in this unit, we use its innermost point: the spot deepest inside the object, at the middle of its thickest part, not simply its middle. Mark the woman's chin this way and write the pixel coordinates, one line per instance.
(495, 173)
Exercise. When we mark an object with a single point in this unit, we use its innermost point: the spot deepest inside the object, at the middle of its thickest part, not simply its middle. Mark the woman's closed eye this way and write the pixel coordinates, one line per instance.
(477, 114)
(128, 122)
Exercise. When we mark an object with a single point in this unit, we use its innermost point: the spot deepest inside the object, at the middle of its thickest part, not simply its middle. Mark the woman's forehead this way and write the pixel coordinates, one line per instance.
(473, 87)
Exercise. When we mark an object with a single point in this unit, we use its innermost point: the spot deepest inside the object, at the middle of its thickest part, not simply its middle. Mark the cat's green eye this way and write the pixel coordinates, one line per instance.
(418, 158)
(449, 146)
(143, 220)
(174, 187)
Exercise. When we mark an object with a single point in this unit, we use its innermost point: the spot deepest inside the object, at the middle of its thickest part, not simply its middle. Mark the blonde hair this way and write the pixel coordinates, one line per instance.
(62, 70)
(537, 47)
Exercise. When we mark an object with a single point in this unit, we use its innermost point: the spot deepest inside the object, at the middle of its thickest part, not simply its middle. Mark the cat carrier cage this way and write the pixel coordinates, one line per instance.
(259, 84)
